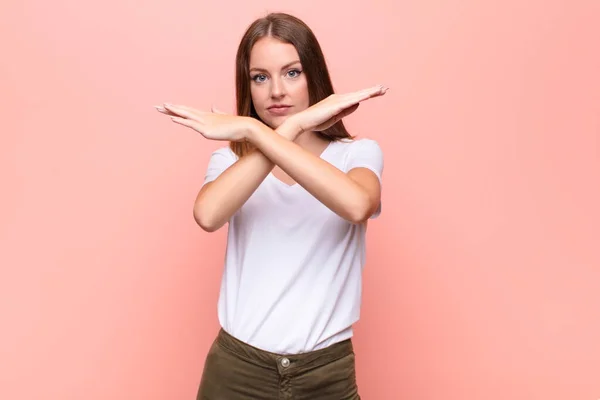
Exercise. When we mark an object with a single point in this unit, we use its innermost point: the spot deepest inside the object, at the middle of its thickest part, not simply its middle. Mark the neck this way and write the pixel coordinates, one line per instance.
(309, 139)
(312, 142)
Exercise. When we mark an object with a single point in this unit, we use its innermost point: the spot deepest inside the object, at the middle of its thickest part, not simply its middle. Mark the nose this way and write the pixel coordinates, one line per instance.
(277, 88)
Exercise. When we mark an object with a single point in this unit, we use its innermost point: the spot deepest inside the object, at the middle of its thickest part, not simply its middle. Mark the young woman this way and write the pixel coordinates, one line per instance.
(296, 190)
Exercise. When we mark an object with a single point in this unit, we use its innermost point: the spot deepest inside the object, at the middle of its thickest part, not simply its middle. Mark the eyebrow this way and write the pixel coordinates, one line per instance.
(284, 67)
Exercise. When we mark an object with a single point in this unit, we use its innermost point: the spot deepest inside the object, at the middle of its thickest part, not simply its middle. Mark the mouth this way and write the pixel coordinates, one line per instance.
(279, 109)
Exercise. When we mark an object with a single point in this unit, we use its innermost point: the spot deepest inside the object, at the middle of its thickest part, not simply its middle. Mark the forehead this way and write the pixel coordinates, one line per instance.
(271, 53)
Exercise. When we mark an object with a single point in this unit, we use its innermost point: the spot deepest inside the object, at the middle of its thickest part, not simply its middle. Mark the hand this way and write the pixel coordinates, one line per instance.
(214, 125)
(330, 110)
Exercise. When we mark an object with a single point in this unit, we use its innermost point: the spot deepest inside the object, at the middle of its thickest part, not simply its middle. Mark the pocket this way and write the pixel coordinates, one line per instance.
(227, 377)
(335, 380)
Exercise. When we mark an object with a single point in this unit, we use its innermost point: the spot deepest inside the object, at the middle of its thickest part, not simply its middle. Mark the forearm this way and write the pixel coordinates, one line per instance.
(220, 199)
(326, 183)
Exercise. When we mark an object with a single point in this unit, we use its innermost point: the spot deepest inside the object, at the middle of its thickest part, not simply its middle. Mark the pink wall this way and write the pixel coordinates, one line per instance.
(483, 276)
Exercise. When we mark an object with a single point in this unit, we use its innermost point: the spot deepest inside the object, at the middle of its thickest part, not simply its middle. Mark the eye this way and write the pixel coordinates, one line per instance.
(294, 73)
(259, 78)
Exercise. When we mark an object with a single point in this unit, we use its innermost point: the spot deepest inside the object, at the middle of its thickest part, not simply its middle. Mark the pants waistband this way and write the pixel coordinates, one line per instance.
(286, 364)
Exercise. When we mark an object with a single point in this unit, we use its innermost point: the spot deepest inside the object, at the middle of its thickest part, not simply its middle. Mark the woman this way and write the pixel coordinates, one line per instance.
(297, 192)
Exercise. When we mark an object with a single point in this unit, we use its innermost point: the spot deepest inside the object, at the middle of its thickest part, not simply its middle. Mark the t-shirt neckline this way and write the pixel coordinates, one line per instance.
(287, 186)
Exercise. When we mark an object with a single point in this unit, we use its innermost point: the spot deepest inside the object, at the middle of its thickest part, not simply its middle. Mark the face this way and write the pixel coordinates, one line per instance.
(277, 83)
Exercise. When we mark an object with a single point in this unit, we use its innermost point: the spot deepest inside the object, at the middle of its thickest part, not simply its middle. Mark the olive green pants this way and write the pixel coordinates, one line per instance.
(235, 370)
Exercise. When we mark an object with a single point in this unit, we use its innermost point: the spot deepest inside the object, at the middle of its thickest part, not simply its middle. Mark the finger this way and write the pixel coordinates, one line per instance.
(164, 110)
(357, 97)
(353, 100)
(178, 106)
(172, 108)
(182, 111)
(185, 122)
(367, 91)
(361, 95)
(370, 92)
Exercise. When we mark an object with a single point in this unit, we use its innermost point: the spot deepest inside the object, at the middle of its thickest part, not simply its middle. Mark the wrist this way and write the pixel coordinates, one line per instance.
(289, 129)
(251, 129)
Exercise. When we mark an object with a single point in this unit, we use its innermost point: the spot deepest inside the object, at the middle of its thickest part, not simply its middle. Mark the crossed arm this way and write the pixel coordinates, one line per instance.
(354, 196)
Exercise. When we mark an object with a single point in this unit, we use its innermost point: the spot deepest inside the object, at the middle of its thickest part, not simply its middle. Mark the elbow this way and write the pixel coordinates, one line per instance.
(206, 224)
(209, 227)
(361, 211)
(204, 220)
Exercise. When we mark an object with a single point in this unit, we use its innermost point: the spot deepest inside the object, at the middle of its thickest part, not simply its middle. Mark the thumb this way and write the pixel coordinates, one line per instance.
(345, 113)
(349, 110)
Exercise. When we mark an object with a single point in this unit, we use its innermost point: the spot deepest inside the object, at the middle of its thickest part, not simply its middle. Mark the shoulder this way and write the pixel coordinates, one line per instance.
(358, 145)
(360, 148)
(366, 153)
(225, 151)
(224, 154)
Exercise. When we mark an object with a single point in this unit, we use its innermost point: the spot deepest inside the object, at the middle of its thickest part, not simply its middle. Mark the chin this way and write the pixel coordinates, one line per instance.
(276, 122)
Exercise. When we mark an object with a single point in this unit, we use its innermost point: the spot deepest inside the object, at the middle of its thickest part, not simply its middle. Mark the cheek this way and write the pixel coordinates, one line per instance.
(301, 93)
(257, 98)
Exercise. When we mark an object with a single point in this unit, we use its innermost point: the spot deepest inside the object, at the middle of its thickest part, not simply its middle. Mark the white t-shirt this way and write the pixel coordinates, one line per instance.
(292, 277)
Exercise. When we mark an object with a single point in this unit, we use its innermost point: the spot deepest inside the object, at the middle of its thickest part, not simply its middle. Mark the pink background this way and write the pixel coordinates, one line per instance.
(483, 275)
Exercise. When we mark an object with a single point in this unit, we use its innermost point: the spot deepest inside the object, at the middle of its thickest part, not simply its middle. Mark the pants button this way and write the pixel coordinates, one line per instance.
(285, 362)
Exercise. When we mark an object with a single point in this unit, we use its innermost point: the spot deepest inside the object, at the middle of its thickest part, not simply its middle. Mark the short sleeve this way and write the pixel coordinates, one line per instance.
(219, 161)
(366, 153)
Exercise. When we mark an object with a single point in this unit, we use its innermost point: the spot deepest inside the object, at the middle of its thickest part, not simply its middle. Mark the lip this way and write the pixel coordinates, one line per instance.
(279, 109)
